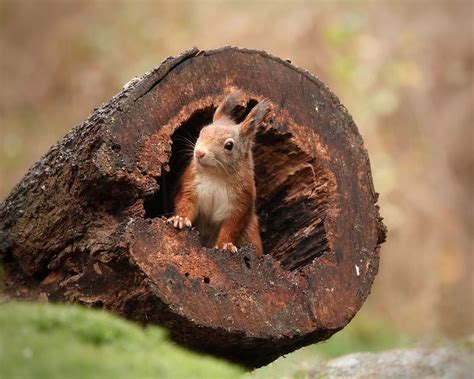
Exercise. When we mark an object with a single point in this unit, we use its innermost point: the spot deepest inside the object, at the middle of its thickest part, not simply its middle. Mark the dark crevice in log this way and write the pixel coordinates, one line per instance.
(293, 195)
(183, 139)
(166, 66)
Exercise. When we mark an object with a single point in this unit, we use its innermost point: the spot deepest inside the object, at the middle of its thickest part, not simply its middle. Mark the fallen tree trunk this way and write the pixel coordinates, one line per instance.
(87, 222)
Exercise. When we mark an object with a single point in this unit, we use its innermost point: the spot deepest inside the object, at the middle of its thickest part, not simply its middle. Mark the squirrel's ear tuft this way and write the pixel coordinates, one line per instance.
(248, 127)
(225, 109)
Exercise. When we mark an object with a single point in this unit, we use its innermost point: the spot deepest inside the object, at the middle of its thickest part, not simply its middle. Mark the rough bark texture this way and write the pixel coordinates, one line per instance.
(86, 222)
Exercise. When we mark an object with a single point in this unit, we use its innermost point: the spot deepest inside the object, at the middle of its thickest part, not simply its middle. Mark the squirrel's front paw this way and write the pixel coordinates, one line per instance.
(179, 222)
(227, 246)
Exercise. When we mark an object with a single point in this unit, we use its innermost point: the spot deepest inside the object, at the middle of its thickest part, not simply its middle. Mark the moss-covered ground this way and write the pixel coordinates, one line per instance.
(62, 341)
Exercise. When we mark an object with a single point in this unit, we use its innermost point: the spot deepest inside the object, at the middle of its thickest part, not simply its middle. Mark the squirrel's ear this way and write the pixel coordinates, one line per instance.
(248, 127)
(228, 104)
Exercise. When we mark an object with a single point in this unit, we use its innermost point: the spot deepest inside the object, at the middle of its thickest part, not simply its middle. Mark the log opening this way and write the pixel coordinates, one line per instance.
(291, 188)
(182, 141)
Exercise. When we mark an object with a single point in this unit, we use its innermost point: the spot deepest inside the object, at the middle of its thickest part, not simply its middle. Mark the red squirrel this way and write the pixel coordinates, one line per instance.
(217, 190)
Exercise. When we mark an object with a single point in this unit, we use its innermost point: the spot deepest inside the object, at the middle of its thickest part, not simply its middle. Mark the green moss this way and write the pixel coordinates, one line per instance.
(58, 341)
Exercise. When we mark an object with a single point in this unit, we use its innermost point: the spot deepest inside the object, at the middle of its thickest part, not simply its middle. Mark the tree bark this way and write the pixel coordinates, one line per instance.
(87, 222)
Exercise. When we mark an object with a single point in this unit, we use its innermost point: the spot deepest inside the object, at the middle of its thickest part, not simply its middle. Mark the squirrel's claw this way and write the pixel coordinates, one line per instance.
(231, 247)
(228, 246)
(179, 222)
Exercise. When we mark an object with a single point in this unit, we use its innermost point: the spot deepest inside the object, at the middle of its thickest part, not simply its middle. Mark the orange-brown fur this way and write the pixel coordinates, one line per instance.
(236, 222)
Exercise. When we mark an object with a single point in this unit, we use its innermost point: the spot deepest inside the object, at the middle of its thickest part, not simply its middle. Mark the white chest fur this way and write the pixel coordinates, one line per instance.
(214, 201)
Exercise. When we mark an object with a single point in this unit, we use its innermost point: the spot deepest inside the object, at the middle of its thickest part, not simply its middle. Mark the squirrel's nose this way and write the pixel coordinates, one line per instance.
(199, 154)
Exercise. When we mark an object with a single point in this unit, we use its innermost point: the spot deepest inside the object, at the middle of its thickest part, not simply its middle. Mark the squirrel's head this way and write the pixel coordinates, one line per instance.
(224, 146)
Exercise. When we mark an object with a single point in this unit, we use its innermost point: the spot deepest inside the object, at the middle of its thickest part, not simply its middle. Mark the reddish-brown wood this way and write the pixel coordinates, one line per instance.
(87, 222)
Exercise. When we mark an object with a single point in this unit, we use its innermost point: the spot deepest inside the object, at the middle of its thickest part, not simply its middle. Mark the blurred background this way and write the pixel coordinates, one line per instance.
(403, 69)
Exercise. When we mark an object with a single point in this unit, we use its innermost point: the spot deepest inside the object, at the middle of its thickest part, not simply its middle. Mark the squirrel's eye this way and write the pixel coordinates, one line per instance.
(229, 145)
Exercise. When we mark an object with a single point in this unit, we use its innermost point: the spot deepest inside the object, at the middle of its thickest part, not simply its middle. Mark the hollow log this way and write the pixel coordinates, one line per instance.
(87, 223)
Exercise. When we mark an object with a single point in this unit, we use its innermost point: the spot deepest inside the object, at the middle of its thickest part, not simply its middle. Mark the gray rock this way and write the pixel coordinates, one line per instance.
(444, 362)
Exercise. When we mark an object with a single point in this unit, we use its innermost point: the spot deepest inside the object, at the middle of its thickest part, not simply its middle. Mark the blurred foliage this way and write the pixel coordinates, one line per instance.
(365, 333)
(64, 341)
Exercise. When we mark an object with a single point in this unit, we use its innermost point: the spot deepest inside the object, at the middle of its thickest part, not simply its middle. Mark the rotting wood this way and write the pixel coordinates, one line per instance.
(86, 224)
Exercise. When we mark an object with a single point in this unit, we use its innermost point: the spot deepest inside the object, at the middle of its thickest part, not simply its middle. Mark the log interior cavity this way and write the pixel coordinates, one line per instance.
(293, 191)
(293, 195)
